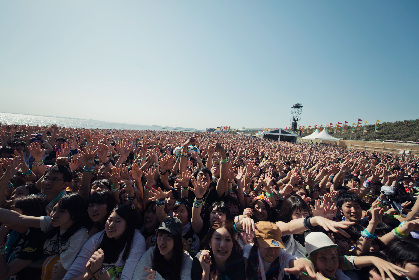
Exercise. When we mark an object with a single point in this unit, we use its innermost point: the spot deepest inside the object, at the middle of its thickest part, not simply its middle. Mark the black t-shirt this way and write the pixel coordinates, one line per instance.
(235, 270)
(29, 246)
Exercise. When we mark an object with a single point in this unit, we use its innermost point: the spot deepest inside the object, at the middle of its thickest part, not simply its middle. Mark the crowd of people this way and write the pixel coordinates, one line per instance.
(123, 204)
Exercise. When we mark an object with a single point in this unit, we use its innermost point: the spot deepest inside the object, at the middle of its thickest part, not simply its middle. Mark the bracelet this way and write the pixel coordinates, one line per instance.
(351, 259)
(223, 160)
(398, 233)
(98, 270)
(269, 195)
(236, 229)
(307, 223)
(27, 173)
(184, 189)
(3, 249)
(159, 203)
(85, 169)
(131, 198)
(165, 172)
(103, 270)
(197, 203)
(365, 234)
(38, 163)
(346, 263)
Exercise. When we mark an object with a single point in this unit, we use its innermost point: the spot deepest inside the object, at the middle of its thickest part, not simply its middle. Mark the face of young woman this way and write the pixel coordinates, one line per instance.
(260, 212)
(269, 254)
(165, 244)
(98, 187)
(327, 262)
(221, 244)
(150, 218)
(60, 218)
(182, 214)
(352, 211)
(299, 213)
(97, 212)
(115, 226)
(217, 216)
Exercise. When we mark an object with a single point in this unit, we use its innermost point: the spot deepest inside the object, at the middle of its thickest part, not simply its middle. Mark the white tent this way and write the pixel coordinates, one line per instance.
(325, 136)
(313, 135)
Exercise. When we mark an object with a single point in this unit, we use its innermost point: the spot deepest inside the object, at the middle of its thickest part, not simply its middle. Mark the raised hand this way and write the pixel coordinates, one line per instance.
(199, 187)
(166, 163)
(74, 164)
(136, 172)
(158, 194)
(64, 150)
(36, 151)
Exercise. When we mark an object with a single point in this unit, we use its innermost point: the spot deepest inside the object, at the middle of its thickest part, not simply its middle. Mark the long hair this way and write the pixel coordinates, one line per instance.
(252, 269)
(75, 204)
(104, 197)
(169, 269)
(235, 255)
(112, 247)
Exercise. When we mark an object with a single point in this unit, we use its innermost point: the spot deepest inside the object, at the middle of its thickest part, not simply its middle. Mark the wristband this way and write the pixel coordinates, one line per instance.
(351, 259)
(3, 250)
(103, 270)
(159, 203)
(164, 173)
(131, 198)
(98, 270)
(365, 234)
(236, 229)
(27, 173)
(307, 223)
(269, 195)
(85, 169)
(398, 233)
(223, 160)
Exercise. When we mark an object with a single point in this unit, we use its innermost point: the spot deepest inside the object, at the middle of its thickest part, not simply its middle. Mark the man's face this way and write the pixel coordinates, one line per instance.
(52, 184)
(352, 211)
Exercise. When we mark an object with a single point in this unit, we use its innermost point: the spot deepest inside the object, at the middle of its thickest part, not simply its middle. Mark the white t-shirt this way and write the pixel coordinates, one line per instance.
(284, 260)
(68, 249)
(78, 267)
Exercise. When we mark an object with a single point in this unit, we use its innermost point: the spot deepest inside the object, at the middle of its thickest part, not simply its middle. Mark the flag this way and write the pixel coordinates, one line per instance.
(359, 120)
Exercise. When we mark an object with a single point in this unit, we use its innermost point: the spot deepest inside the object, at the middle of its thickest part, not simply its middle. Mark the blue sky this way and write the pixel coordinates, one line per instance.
(210, 63)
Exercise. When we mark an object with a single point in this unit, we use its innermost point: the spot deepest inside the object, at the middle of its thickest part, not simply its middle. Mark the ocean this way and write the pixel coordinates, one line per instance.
(22, 119)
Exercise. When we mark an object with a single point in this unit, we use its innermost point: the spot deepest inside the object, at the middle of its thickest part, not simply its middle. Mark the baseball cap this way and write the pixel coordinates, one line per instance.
(316, 241)
(171, 225)
(268, 235)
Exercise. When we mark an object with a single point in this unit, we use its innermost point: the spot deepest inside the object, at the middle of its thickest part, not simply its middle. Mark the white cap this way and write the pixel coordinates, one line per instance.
(316, 241)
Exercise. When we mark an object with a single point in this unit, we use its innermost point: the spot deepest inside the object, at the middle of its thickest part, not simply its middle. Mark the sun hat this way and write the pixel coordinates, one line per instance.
(316, 241)
(171, 225)
(268, 235)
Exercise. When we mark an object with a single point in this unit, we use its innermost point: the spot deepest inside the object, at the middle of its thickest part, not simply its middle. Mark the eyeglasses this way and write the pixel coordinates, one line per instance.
(52, 179)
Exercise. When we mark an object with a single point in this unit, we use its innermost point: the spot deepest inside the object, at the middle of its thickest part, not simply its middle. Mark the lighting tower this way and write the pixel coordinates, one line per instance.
(296, 110)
